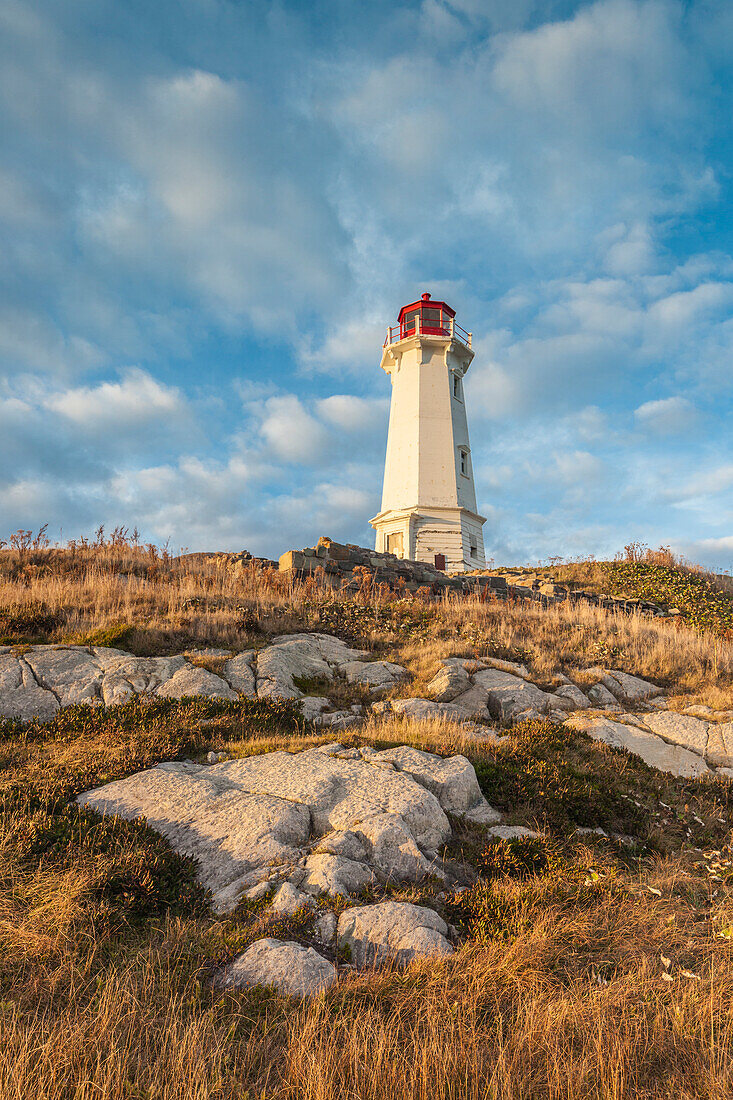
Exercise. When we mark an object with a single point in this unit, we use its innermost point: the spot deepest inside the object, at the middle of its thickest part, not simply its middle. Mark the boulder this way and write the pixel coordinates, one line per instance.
(601, 698)
(473, 702)
(288, 967)
(390, 929)
(239, 673)
(573, 695)
(650, 747)
(325, 927)
(313, 706)
(449, 681)
(192, 680)
(377, 676)
(453, 780)
(392, 849)
(425, 710)
(335, 875)
(508, 695)
(628, 689)
(288, 899)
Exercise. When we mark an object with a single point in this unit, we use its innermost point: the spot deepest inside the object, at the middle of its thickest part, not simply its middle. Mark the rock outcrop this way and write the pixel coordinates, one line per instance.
(44, 678)
(392, 930)
(327, 820)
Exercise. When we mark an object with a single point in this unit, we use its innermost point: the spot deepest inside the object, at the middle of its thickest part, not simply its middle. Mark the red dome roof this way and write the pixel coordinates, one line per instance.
(426, 302)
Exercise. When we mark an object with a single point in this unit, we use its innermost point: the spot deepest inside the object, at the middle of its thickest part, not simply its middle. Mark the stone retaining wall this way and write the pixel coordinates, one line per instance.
(344, 566)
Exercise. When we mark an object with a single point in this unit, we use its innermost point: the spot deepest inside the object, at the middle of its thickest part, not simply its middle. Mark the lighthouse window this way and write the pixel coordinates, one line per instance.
(456, 386)
(464, 463)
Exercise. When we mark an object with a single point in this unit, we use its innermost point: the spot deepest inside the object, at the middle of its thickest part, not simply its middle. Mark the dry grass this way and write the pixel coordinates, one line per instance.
(573, 638)
(148, 605)
(107, 946)
(558, 992)
(573, 1005)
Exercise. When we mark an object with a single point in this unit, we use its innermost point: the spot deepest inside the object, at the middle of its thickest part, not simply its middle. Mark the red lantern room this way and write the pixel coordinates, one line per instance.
(427, 318)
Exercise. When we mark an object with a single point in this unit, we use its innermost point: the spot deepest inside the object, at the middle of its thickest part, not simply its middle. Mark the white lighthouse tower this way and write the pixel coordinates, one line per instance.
(429, 500)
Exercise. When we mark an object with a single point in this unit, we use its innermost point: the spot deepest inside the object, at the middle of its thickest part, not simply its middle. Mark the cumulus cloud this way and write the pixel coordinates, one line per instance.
(136, 400)
(667, 415)
(238, 209)
(354, 414)
(291, 432)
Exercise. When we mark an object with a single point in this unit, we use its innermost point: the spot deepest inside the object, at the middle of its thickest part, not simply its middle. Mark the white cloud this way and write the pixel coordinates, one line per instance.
(136, 400)
(685, 308)
(354, 414)
(667, 415)
(291, 433)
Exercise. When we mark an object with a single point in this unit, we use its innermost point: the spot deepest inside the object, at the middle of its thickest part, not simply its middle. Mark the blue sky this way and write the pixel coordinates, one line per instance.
(210, 211)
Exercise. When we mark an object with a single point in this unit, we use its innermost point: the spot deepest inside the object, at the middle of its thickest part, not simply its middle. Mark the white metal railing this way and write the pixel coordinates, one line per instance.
(448, 327)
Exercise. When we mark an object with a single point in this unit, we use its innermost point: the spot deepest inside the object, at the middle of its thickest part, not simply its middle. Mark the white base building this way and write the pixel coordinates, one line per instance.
(429, 501)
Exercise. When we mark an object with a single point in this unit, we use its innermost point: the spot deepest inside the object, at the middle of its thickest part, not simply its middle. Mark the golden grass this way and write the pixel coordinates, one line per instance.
(574, 1005)
(560, 994)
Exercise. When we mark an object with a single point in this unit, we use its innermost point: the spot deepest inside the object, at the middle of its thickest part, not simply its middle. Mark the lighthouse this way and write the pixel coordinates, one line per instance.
(429, 500)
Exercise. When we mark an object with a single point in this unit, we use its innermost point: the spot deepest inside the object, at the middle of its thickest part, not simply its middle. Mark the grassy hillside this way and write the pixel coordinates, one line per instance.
(593, 967)
(704, 600)
(108, 943)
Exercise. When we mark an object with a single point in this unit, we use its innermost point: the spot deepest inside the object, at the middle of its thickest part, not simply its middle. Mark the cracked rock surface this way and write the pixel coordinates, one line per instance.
(44, 678)
(327, 820)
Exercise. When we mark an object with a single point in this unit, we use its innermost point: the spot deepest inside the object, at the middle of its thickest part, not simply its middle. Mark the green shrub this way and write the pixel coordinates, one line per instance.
(701, 603)
(29, 623)
(522, 857)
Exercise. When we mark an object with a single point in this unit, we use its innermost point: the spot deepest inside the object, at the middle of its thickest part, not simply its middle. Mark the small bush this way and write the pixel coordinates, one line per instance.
(29, 622)
(519, 858)
(112, 637)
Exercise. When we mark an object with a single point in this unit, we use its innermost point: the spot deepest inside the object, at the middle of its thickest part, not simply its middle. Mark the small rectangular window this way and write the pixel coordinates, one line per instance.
(464, 462)
(474, 551)
(456, 386)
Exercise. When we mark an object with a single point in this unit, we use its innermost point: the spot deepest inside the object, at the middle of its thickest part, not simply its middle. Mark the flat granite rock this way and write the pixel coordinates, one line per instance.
(288, 967)
(328, 819)
(424, 710)
(680, 729)
(392, 930)
(192, 680)
(649, 746)
(720, 744)
(230, 831)
(127, 676)
(21, 696)
(73, 674)
(378, 676)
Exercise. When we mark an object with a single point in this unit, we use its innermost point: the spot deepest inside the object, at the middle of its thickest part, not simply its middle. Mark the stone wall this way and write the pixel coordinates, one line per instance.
(344, 565)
